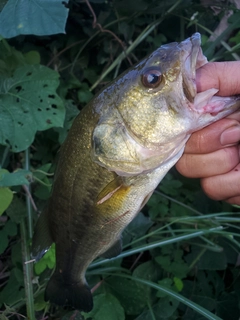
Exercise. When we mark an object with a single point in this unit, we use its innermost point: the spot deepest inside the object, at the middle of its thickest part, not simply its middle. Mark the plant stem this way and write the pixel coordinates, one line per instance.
(28, 200)
(25, 236)
(27, 272)
(197, 258)
(5, 153)
(151, 311)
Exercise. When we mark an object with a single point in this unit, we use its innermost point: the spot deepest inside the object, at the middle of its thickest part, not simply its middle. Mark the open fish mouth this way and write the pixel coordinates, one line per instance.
(206, 101)
(194, 60)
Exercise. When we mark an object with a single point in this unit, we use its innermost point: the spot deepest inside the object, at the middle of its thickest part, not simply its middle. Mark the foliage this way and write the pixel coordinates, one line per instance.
(32, 17)
(181, 253)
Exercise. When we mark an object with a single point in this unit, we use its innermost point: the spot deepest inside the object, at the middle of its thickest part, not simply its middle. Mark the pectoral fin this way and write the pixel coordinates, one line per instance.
(42, 239)
(111, 201)
(114, 250)
(109, 190)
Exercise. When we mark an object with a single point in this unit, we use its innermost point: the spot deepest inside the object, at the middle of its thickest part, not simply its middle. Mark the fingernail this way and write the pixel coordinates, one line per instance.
(230, 136)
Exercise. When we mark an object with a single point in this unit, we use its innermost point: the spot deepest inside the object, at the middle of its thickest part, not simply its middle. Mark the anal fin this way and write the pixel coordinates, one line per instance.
(42, 239)
(114, 250)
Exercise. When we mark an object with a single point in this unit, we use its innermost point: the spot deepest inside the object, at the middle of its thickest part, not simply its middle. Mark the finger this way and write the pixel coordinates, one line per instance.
(234, 200)
(235, 116)
(224, 186)
(208, 165)
(219, 75)
(209, 139)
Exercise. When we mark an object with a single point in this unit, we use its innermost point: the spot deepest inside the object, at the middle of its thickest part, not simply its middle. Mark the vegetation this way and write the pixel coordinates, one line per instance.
(181, 253)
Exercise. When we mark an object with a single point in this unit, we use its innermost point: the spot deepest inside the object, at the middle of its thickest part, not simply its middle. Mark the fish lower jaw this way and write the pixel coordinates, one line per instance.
(207, 103)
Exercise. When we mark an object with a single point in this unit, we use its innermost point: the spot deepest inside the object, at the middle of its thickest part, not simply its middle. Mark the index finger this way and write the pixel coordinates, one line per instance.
(208, 139)
(224, 76)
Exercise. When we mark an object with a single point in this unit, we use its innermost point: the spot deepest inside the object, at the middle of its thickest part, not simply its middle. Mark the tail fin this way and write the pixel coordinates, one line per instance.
(77, 295)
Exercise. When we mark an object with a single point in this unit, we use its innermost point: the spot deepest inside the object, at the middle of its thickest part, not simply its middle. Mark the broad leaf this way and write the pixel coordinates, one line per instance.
(16, 178)
(9, 229)
(38, 17)
(6, 197)
(47, 261)
(13, 291)
(131, 296)
(28, 102)
(71, 113)
(106, 307)
(17, 210)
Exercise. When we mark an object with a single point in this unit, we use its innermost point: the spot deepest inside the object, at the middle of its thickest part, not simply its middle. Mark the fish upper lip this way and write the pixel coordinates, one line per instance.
(194, 60)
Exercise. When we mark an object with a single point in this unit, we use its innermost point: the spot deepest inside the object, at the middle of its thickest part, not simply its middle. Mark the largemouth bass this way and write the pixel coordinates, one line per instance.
(118, 150)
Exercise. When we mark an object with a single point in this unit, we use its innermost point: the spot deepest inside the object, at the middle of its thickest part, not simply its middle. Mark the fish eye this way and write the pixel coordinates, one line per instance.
(151, 78)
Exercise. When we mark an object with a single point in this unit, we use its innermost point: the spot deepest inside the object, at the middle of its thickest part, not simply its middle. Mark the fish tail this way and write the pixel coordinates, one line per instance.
(77, 295)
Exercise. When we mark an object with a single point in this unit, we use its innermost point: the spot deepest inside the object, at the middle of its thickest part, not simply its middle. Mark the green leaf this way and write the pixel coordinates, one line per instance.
(209, 260)
(166, 307)
(228, 306)
(170, 186)
(71, 113)
(16, 178)
(32, 57)
(47, 261)
(28, 102)
(180, 298)
(139, 226)
(74, 315)
(171, 261)
(43, 192)
(126, 29)
(6, 197)
(147, 270)
(167, 283)
(40, 303)
(178, 283)
(9, 229)
(13, 291)
(213, 261)
(10, 58)
(84, 95)
(131, 296)
(162, 310)
(17, 210)
(106, 307)
(43, 189)
(16, 254)
(38, 17)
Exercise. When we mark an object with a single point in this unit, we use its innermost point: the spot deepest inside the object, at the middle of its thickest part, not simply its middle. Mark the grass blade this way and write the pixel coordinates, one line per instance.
(157, 244)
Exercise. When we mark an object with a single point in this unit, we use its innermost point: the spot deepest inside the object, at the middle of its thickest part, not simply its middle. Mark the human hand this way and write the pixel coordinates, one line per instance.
(213, 153)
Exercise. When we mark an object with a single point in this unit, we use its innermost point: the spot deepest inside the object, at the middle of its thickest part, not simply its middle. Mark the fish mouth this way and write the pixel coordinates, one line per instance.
(205, 102)
(194, 60)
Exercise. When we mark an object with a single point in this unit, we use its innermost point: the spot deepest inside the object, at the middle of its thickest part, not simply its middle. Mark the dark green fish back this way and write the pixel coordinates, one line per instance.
(70, 219)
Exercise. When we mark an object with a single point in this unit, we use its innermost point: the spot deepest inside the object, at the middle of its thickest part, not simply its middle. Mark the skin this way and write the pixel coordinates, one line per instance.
(213, 153)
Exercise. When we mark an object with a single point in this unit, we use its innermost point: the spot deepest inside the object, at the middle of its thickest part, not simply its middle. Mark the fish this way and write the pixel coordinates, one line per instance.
(117, 151)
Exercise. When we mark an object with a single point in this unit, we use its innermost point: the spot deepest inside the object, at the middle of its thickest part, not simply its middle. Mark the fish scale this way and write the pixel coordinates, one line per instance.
(119, 148)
